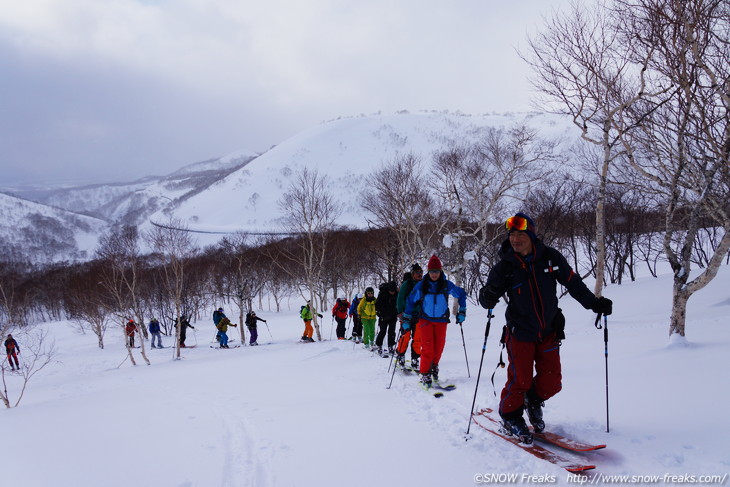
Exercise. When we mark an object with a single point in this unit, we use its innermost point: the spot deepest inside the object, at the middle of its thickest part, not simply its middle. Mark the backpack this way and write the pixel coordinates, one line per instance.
(441, 288)
(302, 313)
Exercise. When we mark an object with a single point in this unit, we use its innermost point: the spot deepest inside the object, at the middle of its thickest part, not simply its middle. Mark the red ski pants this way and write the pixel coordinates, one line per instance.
(433, 339)
(415, 345)
(547, 381)
(13, 356)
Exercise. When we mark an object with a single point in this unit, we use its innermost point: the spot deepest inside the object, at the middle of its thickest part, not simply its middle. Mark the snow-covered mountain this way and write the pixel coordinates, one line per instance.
(240, 192)
(347, 150)
(132, 202)
(41, 233)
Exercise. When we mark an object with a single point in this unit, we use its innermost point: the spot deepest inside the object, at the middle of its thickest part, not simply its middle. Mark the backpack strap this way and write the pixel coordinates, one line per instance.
(500, 364)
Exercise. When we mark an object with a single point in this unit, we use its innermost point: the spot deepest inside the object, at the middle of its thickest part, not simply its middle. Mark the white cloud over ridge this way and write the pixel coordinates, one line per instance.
(124, 88)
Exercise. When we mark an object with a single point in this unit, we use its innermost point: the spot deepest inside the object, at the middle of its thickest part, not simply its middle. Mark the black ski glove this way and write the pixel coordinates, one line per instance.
(603, 306)
(488, 297)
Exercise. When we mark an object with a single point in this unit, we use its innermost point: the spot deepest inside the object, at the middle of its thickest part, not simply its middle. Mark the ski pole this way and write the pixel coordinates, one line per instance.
(463, 342)
(481, 361)
(392, 361)
(605, 352)
(267, 329)
(397, 341)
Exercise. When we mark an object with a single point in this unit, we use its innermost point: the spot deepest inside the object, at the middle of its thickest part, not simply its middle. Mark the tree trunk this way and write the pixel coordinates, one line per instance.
(142, 350)
(680, 296)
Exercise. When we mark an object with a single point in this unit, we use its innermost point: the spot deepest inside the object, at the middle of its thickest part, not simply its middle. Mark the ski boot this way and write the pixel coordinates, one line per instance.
(401, 361)
(414, 363)
(426, 381)
(534, 405)
(517, 427)
(435, 372)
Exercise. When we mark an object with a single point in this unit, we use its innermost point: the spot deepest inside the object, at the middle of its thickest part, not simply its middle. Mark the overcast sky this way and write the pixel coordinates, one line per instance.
(112, 90)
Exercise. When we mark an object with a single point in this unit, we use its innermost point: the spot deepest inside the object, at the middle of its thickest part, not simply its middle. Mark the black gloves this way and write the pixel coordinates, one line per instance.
(488, 297)
(603, 306)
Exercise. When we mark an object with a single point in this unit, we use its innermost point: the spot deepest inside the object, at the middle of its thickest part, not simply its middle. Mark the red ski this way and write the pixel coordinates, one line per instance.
(540, 452)
(560, 440)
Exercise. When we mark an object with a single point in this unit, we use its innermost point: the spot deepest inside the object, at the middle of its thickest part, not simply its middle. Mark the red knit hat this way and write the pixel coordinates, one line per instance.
(434, 264)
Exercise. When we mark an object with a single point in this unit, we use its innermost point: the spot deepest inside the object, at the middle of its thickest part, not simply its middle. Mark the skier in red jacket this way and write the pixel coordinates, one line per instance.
(129, 329)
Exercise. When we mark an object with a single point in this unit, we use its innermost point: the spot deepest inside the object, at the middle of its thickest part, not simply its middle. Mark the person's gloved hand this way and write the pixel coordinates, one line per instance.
(461, 315)
(406, 323)
(603, 306)
(488, 297)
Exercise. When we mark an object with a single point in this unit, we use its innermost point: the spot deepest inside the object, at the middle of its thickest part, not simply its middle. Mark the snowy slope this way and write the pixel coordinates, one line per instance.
(289, 414)
(132, 202)
(347, 151)
(43, 234)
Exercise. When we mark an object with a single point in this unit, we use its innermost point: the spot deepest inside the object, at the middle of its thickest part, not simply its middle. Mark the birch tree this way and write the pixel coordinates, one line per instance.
(309, 211)
(120, 257)
(38, 352)
(479, 183)
(398, 198)
(582, 68)
(681, 152)
(175, 245)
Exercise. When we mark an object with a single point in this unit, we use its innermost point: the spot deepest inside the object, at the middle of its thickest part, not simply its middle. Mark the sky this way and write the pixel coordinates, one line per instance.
(111, 91)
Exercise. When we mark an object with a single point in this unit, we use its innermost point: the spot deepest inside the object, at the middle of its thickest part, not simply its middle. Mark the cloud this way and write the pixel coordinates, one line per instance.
(126, 88)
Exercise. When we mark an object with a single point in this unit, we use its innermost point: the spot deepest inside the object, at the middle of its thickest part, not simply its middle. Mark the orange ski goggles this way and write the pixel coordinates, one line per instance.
(517, 223)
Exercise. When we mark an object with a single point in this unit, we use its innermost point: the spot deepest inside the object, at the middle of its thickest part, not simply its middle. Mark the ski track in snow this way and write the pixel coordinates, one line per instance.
(246, 456)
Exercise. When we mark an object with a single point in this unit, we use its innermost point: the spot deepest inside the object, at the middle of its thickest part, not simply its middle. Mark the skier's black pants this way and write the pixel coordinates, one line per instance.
(356, 326)
(341, 325)
(386, 325)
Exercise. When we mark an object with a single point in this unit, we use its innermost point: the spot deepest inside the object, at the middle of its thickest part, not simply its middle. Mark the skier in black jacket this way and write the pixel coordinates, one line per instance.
(12, 349)
(528, 273)
(251, 320)
(385, 307)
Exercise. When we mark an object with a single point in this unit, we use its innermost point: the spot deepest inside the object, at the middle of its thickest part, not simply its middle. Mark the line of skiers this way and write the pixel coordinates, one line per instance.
(526, 277)
(420, 306)
(154, 328)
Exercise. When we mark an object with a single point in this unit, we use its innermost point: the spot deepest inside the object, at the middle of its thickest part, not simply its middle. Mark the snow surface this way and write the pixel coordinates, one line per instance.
(291, 414)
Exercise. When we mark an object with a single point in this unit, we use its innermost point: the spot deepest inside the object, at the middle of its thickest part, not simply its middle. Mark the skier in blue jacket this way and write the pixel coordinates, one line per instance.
(432, 294)
(154, 328)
